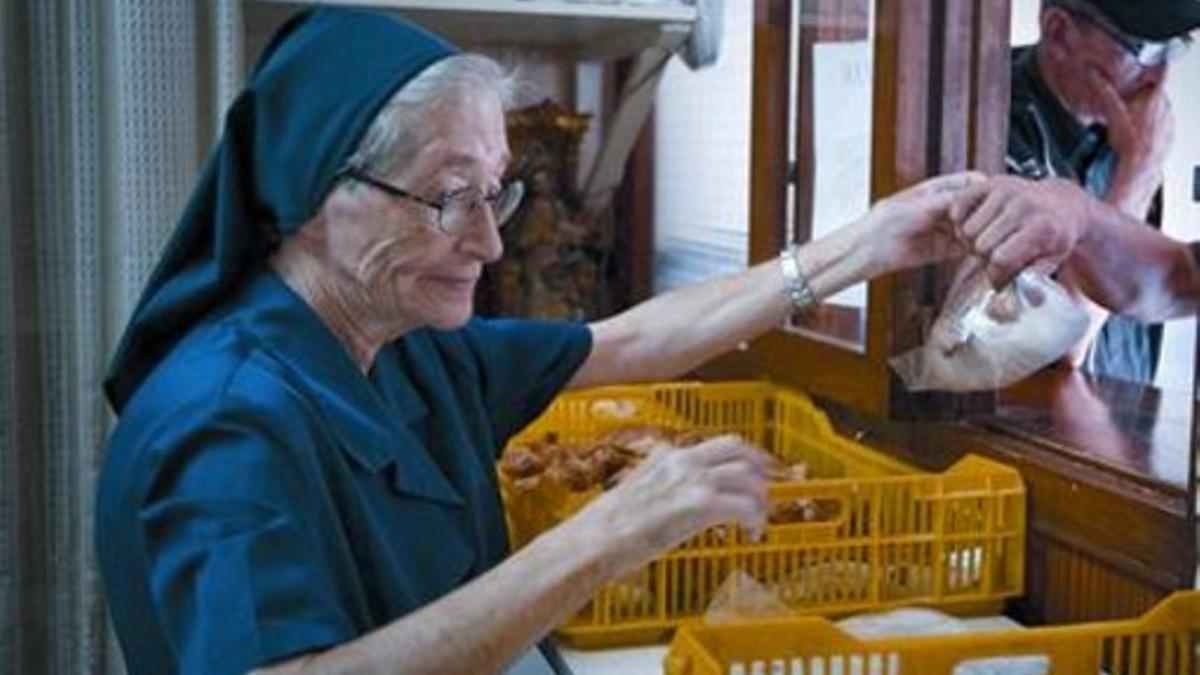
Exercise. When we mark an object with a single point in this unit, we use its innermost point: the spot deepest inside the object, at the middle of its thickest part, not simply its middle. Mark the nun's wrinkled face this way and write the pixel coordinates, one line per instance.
(418, 264)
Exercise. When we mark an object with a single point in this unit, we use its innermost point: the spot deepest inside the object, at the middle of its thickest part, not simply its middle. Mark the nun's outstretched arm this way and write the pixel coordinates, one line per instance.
(668, 336)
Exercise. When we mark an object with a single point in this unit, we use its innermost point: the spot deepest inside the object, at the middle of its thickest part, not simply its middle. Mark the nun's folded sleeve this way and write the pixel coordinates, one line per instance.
(523, 364)
(237, 577)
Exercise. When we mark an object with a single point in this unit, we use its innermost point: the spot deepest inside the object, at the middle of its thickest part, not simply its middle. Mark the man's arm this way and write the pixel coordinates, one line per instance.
(669, 335)
(1136, 270)
(1140, 130)
(1120, 263)
(485, 625)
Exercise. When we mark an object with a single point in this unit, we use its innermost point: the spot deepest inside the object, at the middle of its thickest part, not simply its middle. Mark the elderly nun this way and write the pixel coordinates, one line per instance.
(302, 474)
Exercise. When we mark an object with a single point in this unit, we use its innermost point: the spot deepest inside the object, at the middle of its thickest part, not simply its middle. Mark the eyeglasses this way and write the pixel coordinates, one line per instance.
(458, 210)
(1147, 54)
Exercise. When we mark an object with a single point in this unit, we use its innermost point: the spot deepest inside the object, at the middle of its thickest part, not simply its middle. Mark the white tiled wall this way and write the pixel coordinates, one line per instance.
(702, 161)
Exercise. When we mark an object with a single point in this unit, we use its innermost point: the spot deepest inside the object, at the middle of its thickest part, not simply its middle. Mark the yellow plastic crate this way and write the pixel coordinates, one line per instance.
(1164, 641)
(890, 535)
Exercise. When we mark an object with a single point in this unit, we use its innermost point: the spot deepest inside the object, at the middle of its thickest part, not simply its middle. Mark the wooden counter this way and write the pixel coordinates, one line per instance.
(1140, 432)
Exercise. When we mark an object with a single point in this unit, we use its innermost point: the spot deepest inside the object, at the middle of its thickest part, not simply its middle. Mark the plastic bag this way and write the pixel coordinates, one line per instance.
(740, 597)
(921, 621)
(905, 621)
(987, 339)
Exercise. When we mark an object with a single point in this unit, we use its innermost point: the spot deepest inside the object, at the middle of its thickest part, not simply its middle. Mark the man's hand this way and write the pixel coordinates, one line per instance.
(1013, 223)
(1140, 130)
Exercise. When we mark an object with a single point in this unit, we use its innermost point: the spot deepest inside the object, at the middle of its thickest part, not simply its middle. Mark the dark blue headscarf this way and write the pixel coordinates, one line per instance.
(310, 99)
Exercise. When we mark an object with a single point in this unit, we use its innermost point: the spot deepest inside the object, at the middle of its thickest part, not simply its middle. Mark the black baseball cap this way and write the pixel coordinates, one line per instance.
(1153, 20)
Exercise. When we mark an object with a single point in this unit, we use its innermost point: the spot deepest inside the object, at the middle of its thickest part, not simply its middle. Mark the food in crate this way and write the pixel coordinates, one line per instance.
(604, 462)
(860, 531)
(819, 580)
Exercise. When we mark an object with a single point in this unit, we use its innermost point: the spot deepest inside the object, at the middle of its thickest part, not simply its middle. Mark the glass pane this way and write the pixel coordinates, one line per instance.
(1110, 417)
(831, 143)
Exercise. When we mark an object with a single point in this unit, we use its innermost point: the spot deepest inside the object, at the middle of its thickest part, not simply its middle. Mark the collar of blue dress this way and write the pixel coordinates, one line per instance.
(378, 436)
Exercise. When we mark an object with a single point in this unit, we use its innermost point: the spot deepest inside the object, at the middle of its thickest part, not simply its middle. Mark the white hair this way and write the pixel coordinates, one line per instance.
(400, 125)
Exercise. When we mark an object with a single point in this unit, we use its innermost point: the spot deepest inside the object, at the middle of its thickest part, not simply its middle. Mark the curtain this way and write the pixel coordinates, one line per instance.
(107, 109)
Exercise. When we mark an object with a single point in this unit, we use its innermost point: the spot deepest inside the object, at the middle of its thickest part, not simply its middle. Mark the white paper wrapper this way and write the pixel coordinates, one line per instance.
(921, 621)
(986, 339)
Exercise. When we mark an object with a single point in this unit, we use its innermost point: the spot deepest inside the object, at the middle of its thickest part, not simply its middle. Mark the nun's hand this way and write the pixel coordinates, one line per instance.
(675, 494)
(913, 228)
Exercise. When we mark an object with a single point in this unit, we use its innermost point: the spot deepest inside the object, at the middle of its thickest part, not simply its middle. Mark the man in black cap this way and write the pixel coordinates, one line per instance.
(1088, 105)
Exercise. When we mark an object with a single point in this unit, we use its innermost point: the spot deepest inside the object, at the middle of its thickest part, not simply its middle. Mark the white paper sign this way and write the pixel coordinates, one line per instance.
(842, 142)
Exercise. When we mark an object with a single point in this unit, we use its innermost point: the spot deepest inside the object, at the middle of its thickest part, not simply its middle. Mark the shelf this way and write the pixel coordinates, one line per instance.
(600, 30)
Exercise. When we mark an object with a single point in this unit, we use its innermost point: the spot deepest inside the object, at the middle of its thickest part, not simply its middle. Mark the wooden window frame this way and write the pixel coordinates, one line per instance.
(931, 116)
(1104, 540)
